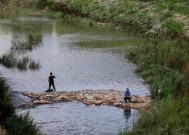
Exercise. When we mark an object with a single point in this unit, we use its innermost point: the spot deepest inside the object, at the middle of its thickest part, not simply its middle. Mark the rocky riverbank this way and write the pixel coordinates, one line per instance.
(89, 97)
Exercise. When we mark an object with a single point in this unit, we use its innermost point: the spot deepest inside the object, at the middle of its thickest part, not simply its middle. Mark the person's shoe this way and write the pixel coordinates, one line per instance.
(49, 90)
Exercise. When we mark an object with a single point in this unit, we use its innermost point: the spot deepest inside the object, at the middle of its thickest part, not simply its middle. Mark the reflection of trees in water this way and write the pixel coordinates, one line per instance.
(19, 47)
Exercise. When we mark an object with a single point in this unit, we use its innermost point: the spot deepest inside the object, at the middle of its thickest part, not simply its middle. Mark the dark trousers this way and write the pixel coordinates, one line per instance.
(52, 85)
(127, 99)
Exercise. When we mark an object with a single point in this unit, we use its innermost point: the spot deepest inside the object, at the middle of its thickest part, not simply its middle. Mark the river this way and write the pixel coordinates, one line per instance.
(81, 57)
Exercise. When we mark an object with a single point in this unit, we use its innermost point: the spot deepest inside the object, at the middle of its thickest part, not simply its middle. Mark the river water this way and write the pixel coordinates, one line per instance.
(81, 57)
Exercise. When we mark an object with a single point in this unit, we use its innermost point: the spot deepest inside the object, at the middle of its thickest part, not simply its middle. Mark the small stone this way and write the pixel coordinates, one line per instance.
(41, 102)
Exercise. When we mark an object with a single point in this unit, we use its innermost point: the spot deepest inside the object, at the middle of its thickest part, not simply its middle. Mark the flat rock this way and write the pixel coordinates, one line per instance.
(89, 97)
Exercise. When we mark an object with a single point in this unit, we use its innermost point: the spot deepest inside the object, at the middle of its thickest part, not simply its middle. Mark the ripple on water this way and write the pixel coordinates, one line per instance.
(73, 118)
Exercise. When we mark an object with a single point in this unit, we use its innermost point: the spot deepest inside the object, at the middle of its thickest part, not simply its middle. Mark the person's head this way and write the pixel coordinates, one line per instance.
(127, 89)
(50, 73)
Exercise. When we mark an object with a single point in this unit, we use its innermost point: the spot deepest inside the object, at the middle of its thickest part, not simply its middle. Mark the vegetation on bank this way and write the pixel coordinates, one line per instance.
(164, 64)
(14, 124)
(149, 17)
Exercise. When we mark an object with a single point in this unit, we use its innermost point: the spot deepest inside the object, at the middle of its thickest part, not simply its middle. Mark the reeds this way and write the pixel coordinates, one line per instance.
(164, 65)
(165, 117)
(10, 61)
(33, 40)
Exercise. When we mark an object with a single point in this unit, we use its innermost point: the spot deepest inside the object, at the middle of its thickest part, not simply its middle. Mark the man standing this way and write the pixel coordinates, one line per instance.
(51, 81)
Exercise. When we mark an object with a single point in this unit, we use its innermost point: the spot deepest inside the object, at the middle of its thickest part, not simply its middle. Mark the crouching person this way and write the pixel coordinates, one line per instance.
(127, 97)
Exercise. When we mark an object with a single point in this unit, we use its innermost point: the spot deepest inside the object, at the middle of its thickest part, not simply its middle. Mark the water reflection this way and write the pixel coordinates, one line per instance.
(76, 118)
(127, 113)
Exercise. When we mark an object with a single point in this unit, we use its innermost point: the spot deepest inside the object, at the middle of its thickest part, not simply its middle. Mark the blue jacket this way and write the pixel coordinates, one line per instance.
(127, 93)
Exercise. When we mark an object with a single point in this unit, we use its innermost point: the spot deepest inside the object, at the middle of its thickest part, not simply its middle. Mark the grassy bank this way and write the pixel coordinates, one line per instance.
(163, 63)
(14, 124)
(151, 18)
(156, 19)
(165, 66)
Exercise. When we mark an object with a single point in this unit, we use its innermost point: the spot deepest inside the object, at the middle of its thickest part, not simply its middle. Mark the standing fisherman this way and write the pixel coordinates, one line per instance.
(51, 81)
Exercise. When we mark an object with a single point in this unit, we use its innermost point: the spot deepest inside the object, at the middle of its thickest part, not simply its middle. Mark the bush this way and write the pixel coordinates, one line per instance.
(22, 64)
(21, 125)
(8, 60)
(6, 106)
(34, 65)
(57, 15)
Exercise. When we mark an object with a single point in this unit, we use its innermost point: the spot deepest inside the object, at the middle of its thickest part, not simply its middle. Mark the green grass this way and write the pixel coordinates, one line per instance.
(33, 65)
(164, 65)
(57, 15)
(21, 125)
(23, 63)
(173, 28)
(11, 61)
(167, 116)
(14, 124)
(32, 41)
(6, 106)
(20, 45)
(8, 60)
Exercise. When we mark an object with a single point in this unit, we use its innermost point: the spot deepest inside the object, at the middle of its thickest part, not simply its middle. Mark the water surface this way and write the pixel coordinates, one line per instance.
(81, 57)
(67, 119)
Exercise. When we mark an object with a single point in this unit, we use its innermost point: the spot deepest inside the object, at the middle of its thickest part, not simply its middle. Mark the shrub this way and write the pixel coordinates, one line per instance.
(21, 125)
(8, 60)
(22, 64)
(6, 106)
(57, 15)
(34, 65)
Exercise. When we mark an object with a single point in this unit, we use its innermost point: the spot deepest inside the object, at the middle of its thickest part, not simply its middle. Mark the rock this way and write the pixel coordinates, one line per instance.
(88, 97)
(20, 99)
(86, 102)
(117, 104)
(98, 102)
(41, 102)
